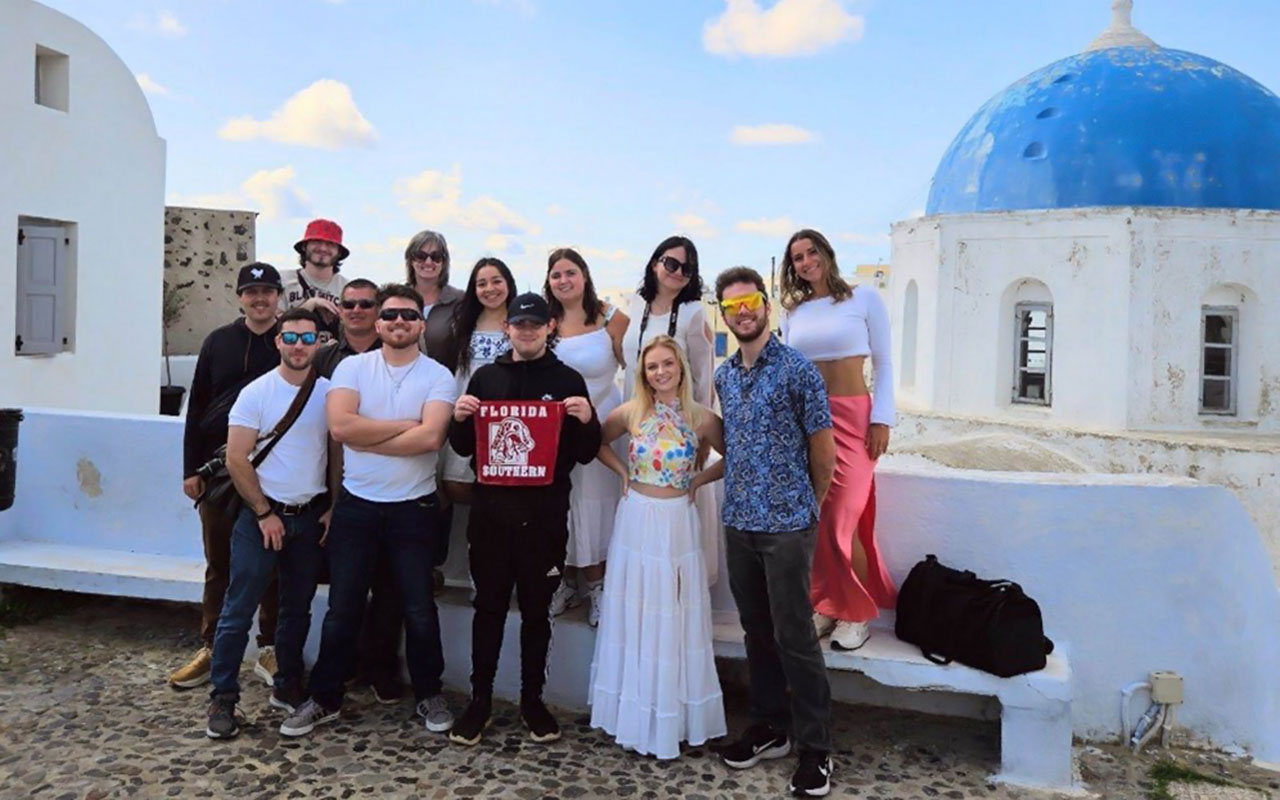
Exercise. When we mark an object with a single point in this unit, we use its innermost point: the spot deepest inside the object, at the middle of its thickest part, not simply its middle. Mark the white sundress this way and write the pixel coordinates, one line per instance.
(593, 499)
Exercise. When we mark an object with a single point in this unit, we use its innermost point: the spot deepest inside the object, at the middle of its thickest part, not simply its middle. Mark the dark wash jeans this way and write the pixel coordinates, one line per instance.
(769, 576)
(253, 569)
(406, 530)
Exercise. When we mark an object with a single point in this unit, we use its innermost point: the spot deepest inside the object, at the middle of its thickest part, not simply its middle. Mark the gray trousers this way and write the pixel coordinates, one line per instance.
(769, 576)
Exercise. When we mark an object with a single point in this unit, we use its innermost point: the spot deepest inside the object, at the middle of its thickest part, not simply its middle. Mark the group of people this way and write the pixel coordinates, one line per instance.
(399, 403)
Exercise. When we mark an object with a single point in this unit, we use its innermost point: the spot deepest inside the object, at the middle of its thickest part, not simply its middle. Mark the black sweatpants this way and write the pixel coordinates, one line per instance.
(519, 545)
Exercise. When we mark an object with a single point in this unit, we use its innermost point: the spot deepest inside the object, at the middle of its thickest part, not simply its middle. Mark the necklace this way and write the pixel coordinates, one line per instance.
(396, 384)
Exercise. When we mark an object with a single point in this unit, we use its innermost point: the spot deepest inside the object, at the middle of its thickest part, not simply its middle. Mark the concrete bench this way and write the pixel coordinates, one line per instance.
(1035, 718)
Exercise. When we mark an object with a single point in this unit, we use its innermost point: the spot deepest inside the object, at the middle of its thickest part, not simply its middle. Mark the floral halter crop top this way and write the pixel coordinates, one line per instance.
(663, 449)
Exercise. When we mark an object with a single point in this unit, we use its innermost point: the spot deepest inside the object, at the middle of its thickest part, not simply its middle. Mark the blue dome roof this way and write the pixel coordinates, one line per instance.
(1122, 126)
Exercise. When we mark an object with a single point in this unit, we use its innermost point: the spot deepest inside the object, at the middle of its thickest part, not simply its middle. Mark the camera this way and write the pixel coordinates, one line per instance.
(210, 468)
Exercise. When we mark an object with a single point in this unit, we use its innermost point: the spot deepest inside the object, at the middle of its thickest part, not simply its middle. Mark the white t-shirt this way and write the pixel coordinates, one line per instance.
(295, 295)
(388, 392)
(294, 470)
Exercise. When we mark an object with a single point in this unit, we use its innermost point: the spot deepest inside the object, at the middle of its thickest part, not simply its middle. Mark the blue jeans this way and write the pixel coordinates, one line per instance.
(298, 563)
(407, 531)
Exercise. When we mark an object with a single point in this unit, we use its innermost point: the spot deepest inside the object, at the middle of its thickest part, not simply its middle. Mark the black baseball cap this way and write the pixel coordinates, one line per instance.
(529, 306)
(258, 274)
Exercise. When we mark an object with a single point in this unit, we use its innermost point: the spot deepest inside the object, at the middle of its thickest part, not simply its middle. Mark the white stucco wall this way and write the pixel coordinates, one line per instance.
(1127, 287)
(1132, 573)
(100, 165)
(1246, 464)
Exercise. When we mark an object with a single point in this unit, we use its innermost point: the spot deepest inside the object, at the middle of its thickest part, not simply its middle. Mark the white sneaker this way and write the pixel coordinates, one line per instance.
(822, 624)
(265, 666)
(565, 598)
(850, 635)
(596, 595)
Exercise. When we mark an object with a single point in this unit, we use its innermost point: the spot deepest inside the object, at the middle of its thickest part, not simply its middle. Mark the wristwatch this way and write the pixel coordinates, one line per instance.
(264, 514)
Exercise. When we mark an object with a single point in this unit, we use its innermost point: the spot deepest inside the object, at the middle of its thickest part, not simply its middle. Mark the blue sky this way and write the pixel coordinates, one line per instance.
(516, 126)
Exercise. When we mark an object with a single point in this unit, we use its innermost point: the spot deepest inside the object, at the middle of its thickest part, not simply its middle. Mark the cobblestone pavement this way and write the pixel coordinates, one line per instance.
(85, 713)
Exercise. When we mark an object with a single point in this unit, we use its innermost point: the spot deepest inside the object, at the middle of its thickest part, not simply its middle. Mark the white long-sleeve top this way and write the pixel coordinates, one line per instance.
(825, 330)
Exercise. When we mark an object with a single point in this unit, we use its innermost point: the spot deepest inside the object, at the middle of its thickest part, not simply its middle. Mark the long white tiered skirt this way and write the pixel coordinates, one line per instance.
(653, 679)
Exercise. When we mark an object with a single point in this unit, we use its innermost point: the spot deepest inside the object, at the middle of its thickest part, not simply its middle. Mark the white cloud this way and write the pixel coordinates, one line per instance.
(272, 192)
(434, 198)
(780, 226)
(322, 115)
(863, 238)
(773, 133)
(555, 210)
(150, 87)
(789, 28)
(164, 24)
(693, 225)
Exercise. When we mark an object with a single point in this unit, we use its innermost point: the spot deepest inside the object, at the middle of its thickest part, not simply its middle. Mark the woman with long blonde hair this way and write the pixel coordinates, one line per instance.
(838, 327)
(653, 678)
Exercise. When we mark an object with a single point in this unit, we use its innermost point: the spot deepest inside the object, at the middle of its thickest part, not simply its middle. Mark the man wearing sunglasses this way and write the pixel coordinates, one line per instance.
(229, 359)
(281, 524)
(378, 658)
(390, 409)
(358, 310)
(779, 458)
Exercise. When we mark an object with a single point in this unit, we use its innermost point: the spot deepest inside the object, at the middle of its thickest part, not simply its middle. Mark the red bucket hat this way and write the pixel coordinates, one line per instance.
(326, 231)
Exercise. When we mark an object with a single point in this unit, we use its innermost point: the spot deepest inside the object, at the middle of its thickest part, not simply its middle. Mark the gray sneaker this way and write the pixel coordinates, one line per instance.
(306, 718)
(435, 712)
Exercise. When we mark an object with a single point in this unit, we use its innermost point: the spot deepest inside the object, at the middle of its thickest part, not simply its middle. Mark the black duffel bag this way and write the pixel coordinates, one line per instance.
(953, 615)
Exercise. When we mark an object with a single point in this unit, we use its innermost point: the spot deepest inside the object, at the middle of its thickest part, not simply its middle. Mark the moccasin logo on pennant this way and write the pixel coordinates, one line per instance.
(517, 442)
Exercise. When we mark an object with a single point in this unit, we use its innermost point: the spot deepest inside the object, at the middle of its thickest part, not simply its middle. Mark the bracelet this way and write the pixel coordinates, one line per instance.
(264, 514)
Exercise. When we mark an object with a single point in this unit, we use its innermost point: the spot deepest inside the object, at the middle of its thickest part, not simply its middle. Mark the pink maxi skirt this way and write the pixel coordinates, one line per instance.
(849, 511)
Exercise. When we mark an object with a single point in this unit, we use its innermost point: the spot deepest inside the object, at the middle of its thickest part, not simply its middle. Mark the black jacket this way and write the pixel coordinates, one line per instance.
(546, 378)
(230, 358)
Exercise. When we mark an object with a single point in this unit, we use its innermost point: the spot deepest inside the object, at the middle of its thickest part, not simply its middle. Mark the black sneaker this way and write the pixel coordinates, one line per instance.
(760, 743)
(287, 698)
(542, 726)
(387, 691)
(222, 718)
(812, 777)
(470, 726)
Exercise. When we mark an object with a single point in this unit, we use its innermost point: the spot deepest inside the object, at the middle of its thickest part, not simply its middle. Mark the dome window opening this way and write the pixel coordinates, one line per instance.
(1048, 113)
(1035, 151)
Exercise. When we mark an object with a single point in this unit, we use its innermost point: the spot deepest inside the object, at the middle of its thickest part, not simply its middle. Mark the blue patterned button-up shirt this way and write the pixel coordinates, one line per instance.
(770, 411)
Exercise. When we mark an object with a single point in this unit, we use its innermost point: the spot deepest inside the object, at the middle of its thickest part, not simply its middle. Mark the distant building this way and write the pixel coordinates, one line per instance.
(81, 214)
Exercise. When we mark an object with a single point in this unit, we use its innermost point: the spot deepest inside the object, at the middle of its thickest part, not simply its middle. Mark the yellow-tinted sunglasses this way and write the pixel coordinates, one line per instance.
(751, 302)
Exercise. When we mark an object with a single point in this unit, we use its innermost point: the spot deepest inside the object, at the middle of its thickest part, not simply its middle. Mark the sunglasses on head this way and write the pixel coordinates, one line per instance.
(751, 302)
(365, 304)
(393, 314)
(674, 265)
(425, 255)
(293, 337)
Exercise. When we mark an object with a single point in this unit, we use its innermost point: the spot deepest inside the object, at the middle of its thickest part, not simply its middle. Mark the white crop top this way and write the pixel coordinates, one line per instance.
(824, 330)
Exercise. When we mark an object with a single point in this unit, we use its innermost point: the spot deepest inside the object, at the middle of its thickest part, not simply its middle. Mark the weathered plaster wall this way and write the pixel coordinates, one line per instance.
(204, 250)
(100, 165)
(1127, 286)
(1179, 259)
(1246, 464)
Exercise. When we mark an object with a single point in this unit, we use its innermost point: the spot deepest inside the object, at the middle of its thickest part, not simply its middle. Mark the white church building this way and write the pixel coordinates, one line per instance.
(1099, 249)
(81, 219)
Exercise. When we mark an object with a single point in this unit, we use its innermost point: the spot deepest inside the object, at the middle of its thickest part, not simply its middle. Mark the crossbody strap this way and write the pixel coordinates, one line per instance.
(290, 416)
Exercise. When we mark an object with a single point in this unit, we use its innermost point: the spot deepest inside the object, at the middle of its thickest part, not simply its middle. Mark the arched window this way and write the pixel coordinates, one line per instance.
(910, 322)
(1032, 343)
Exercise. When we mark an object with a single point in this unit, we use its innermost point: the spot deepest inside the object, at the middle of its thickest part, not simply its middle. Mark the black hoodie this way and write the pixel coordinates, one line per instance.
(545, 378)
(230, 358)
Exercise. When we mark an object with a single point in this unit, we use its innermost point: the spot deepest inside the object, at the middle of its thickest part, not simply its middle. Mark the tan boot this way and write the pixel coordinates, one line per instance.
(195, 673)
(265, 666)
